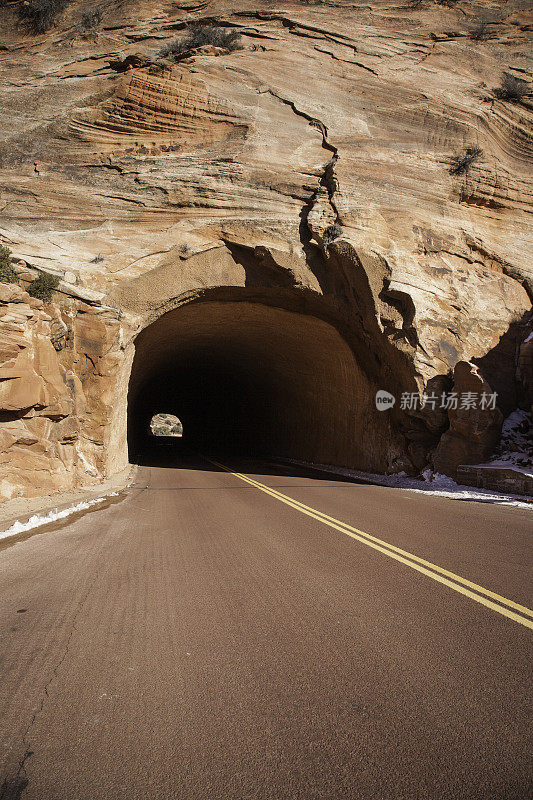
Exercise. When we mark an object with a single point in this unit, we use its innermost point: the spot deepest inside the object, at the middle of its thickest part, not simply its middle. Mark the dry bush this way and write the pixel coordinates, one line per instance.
(199, 35)
(40, 15)
(461, 164)
(511, 88)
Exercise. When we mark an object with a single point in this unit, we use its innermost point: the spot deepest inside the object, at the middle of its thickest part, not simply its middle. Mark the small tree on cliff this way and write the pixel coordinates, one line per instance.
(43, 286)
(7, 273)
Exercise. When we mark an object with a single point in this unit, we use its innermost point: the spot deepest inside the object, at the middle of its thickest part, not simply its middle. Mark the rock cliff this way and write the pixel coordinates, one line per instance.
(355, 163)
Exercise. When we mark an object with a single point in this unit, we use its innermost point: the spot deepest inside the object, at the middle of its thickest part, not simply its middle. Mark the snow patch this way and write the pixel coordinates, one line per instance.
(43, 519)
(433, 483)
(437, 479)
(515, 450)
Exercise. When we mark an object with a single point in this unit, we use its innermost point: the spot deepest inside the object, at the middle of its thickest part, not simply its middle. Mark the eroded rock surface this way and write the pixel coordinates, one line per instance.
(57, 384)
(474, 431)
(145, 183)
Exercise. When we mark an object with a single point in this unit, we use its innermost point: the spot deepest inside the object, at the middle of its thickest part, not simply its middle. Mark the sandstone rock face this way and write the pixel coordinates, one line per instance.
(524, 372)
(474, 431)
(147, 184)
(52, 421)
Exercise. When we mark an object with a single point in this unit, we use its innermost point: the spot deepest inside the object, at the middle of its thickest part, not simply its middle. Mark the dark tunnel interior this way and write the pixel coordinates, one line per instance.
(250, 379)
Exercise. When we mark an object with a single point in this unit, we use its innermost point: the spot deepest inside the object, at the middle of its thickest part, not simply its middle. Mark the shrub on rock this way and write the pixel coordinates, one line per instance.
(461, 164)
(39, 15)
(91, 18)
(43, 286)
(7, 273)
(511, 88)
(200, 35)
(331, 233)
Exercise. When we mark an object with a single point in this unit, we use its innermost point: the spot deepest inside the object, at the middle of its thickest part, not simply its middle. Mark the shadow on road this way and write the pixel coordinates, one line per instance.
(179, 456)
(176, 455)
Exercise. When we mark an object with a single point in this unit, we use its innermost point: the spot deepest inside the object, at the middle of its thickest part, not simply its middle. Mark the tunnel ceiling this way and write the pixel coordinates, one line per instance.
(249, 377)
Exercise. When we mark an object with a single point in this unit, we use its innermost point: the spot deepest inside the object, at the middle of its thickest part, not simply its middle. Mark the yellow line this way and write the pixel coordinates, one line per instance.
(450, 579)
(411, 556)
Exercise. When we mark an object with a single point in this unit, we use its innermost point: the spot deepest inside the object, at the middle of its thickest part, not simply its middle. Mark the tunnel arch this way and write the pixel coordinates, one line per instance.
(245, 376)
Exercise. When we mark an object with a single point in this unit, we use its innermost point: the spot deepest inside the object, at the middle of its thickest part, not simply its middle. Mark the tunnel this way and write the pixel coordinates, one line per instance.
(251, 379)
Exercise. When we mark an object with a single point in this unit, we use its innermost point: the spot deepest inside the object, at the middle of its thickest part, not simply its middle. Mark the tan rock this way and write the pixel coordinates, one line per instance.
(474, 432)
(524, 372)
(11, 293)
(20, 390)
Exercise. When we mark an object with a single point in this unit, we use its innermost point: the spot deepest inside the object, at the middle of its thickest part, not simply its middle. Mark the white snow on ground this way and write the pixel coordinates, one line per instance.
(43, 519)
(515, 451)
(433, 484)
(516, 446)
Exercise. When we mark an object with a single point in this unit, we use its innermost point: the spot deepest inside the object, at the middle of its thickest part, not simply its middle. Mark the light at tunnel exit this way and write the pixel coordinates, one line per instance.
(166, 425)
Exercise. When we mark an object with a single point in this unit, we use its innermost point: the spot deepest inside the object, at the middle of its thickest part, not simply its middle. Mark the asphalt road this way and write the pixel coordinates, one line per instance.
(204, 638)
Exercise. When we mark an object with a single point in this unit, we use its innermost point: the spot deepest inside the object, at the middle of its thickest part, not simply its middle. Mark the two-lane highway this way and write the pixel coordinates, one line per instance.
(253, 634)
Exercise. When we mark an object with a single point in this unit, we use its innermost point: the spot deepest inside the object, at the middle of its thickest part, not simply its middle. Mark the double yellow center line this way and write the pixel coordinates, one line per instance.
(508, 608)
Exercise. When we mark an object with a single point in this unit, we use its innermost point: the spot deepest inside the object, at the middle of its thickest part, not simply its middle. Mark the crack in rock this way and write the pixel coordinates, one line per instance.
(328, 181)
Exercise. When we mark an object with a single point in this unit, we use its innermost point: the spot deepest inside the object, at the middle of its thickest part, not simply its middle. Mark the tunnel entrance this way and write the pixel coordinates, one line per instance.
(251, 379)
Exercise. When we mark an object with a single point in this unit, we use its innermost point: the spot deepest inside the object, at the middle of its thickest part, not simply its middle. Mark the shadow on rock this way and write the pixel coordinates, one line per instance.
(13, 789)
